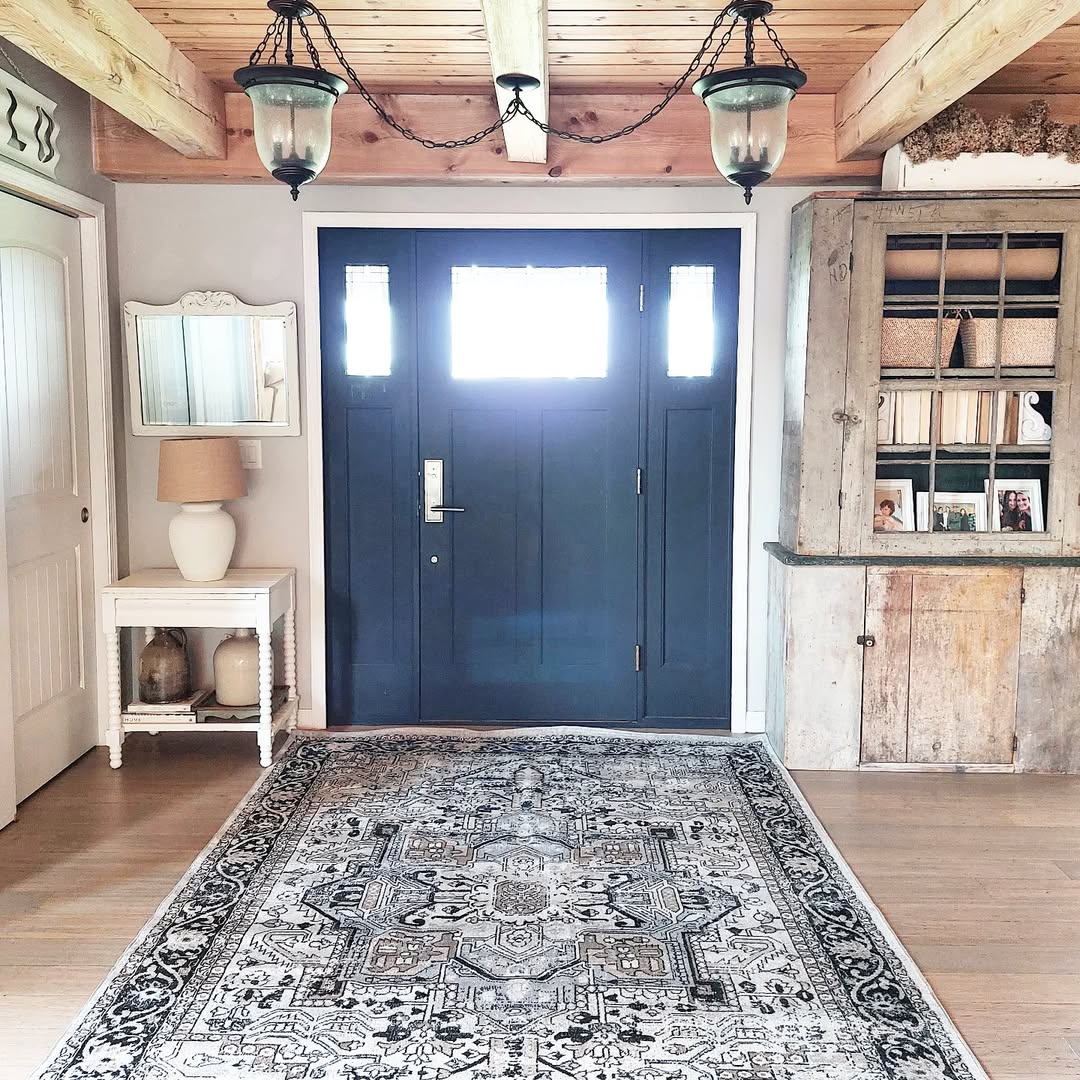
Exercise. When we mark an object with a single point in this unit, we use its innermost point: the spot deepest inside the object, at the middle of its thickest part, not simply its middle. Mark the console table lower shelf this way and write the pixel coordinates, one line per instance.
(284, 718)
(253, 598)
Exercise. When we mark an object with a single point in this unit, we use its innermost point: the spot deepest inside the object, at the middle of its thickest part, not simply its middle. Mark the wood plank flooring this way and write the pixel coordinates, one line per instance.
(979, 875)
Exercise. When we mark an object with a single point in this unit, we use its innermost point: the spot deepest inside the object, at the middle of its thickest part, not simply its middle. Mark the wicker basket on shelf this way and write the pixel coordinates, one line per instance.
(909, 342)
(1024, 342)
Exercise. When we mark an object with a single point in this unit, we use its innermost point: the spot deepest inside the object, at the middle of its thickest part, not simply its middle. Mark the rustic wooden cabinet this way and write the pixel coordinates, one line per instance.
(925, 593)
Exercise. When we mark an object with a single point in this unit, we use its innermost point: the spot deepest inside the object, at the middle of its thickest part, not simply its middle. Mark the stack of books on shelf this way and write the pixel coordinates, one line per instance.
(185, 708)
(965, 417)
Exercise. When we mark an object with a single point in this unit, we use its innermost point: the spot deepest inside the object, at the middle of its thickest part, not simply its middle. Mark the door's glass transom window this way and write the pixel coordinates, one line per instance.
(367, 320)
(529, 322)
(691, 325)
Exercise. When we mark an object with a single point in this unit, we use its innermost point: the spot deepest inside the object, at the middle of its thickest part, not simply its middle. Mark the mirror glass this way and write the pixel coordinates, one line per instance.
(211, 361)
(196, 370)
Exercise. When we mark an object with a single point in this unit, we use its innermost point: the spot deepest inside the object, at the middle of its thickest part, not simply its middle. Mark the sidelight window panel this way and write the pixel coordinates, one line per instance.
(691, 324)
(368, 337)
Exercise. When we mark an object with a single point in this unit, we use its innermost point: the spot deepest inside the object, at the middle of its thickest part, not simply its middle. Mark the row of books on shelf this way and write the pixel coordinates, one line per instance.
(201, 707)
(964, 417)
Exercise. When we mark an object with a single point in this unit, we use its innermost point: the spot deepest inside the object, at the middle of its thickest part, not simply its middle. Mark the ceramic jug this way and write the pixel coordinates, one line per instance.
(164, 671)
(236, 669)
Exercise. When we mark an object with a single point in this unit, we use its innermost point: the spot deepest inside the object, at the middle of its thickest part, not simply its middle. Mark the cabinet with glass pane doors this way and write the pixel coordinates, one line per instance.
(930, 484)
(959, 367)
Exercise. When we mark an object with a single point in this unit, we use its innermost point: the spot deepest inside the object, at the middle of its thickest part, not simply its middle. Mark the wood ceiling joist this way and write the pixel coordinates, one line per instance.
(674, 148)
(113, 53)
(943, 51)
(517, 43)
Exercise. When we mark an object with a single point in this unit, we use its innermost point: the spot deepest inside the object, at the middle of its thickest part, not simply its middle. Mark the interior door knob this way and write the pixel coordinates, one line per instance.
(85, 515)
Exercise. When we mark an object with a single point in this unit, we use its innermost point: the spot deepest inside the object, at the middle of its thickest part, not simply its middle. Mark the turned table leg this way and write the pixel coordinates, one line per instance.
(290, 660)
(266, 692)
(115, 735)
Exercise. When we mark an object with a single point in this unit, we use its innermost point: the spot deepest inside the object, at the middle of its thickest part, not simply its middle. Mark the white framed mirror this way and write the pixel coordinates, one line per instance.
(212, 364)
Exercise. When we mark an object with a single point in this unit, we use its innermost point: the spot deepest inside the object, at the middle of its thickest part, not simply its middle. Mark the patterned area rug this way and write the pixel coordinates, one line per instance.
(546, 905)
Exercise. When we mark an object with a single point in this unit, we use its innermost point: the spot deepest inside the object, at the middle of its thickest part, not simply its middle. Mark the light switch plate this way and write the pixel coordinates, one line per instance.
(251, 453)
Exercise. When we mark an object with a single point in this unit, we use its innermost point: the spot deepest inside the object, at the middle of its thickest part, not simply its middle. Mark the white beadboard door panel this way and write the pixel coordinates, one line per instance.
(46, 599)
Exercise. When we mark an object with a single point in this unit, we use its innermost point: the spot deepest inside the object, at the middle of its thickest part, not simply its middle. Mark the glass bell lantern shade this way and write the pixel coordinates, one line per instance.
(292, 107)
(748, 114)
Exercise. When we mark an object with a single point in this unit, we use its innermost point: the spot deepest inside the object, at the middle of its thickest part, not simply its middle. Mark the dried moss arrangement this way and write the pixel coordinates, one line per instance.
(961, 130)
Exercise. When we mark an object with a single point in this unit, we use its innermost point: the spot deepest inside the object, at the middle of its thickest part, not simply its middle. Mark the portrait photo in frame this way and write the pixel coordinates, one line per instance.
(1016, 505)
(894, 507)
(954, 511)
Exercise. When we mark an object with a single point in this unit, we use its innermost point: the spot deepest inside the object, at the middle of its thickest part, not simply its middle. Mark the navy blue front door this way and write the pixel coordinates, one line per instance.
(529, 592)
(580, 570)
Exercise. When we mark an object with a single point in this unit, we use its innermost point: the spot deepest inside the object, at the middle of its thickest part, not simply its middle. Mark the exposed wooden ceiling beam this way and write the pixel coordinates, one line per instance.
(944, 50)
(673, 149)
(517, 37)
(116, 56)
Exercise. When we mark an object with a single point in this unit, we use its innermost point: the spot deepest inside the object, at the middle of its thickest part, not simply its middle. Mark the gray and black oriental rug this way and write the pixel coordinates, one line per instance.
(546, 905)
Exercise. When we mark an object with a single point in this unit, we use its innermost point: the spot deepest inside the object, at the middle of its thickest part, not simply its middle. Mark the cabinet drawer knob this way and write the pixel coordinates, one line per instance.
(867, 641)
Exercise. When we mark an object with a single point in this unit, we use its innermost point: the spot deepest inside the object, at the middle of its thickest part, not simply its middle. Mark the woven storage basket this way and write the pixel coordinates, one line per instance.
(1024, 342)
(909, 343)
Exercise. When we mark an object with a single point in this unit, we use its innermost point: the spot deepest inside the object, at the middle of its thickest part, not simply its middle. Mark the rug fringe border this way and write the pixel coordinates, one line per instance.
(299, 735)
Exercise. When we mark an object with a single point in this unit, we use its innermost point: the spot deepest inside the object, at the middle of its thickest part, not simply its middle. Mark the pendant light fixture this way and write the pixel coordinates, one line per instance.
(292, 103)
(748, 106)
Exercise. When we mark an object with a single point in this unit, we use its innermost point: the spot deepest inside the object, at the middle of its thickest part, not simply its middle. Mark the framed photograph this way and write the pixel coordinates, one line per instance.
(1016, 505)
(894, 508)
(954, 511)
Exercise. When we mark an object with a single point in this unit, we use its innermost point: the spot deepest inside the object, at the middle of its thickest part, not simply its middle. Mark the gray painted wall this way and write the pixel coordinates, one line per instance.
(247, 239)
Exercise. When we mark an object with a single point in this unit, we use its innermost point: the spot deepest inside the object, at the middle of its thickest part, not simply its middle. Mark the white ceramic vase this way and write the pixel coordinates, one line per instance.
(236, 669)
(202, 537)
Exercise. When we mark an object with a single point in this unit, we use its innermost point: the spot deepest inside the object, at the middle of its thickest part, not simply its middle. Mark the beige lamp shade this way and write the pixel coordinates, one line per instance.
(200, 470)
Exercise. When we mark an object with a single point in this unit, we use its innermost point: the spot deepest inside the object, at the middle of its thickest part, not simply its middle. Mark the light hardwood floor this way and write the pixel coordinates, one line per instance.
(979, 875)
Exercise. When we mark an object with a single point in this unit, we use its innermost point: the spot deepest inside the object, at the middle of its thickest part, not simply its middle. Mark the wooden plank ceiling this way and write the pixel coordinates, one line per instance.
(596, 46)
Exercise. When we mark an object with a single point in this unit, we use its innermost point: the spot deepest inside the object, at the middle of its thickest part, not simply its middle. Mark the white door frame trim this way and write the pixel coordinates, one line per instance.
(90, 215)
(746, 223)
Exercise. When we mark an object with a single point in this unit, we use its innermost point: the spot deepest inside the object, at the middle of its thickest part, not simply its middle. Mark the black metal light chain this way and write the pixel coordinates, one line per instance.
(788, 62)
(313, 53)
(257, 52)
(508, 113)
(656, 110)
(517, 106)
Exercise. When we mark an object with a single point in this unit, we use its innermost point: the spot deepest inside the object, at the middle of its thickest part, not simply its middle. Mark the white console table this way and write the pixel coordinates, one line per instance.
(255, 598)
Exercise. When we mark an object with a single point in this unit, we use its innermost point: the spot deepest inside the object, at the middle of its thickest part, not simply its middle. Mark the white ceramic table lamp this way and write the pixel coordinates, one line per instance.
(200, 474)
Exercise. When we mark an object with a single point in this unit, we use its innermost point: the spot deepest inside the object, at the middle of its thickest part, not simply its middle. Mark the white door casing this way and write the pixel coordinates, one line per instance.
(48, 668)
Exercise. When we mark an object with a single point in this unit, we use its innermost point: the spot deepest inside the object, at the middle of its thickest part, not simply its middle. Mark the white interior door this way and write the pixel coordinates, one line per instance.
(47, 693)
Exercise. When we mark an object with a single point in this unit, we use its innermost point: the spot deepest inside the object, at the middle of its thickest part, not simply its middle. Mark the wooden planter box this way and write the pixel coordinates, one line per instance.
(982, 172)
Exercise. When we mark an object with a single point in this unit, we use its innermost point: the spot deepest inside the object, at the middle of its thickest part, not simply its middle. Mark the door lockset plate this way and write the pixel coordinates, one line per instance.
(433, 492)
(433, 489)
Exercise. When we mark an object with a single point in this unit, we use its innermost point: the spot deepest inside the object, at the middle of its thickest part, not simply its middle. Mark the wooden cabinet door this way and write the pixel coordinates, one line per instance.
(939, 684)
